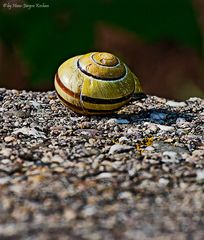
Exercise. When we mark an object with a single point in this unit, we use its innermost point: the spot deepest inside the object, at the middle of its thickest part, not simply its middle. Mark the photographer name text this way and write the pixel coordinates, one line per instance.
(25, 6)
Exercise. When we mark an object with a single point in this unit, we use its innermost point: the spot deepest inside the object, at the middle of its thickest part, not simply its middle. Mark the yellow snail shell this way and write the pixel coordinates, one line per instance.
(95, 83)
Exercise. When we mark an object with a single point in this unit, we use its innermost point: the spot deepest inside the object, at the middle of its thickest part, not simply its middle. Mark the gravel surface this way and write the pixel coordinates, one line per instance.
(136, 174)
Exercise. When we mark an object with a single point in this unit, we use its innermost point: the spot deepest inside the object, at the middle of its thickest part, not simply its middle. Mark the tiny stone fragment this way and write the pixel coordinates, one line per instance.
(165, 128)
(175, 104)
(8, 139)
(119, 148)
(200, 175)
(122, 121)
(169, 156)
(29, 131)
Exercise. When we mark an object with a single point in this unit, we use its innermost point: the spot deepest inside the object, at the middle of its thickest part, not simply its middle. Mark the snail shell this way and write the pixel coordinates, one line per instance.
(95, 83)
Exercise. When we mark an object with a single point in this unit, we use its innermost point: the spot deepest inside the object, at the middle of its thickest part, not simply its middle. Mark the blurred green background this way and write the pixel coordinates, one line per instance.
(161, 41)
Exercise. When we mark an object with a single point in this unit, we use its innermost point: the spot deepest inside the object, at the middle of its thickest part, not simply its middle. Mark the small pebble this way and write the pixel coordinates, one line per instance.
(122, 121)
(200, 175)
(69, 214)
(35, 104)
(9, 139)
(104, 175)
(169, 156)
(149, 148)
(158, 116)
(165, 128)
(163, 182)
(175, 104)
(123, 139)
(29, 131)
(125, 195)
(112, 121)
(4, 180)
(120, 148)
(130, 132)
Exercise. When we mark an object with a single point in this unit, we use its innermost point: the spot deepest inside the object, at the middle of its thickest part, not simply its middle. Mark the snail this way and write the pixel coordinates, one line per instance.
(95, 83)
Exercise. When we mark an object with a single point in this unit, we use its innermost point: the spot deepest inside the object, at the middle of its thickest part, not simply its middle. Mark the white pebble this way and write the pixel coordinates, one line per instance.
(119, 148)
(89, 211)
(29, 132)
(8, 139)
(130, 131)
(151, 126)
(35, 104)
(111, 121)
(125, 195)
(194, 99)
(6, 152)
(180, 120)
(149, 148)
(200, 175)
(175, 104)
(122, 139)
(4, 180)
(104, 175)
(169, 156)
(165, 128)
(57, 158)
(69, 214)
(163, 182)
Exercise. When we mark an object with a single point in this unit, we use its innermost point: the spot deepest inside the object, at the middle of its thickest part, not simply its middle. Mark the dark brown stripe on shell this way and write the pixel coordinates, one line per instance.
(106, 101)
(65, 89)
(96, 77)
(86, 110)
(74, 107)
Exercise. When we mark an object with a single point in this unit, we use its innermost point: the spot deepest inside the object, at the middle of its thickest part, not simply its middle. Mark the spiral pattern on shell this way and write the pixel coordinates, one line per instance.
(95, 83)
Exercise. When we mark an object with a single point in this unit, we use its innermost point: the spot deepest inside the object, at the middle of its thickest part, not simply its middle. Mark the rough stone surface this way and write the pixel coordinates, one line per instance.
(64, 176)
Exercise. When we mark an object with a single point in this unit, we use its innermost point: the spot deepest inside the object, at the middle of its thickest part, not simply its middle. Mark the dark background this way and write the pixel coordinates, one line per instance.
(161, 41)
